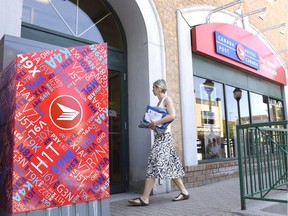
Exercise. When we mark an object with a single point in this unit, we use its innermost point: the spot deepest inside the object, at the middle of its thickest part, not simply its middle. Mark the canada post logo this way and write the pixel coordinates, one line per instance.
(240, 50)
(65, 112)
(232, 49)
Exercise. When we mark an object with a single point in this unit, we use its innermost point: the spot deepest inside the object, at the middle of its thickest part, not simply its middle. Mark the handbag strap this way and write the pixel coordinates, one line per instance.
(161, 102)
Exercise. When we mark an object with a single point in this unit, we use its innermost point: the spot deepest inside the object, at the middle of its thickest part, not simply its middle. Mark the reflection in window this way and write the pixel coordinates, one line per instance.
(244, 108)
(61, 16)
(275, 110)
(259, 108)
(87, 19)
(216, 136)
(210, 119)
(233, 117)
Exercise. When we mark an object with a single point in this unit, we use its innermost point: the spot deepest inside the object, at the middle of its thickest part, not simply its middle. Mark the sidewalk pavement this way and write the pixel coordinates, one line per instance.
(217, 199)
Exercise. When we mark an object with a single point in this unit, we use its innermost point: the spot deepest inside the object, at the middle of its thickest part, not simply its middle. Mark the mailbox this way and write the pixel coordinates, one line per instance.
(54, 147)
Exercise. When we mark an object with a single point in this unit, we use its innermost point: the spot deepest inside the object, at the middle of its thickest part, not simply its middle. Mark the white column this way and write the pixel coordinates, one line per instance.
(187, 92)
(286, 99)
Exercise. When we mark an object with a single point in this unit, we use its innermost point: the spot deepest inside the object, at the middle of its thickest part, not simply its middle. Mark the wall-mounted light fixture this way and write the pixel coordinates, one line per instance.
(239, 10)
(263, 15)
(260, 10)
(281, 25)
(222, 8)
(283, 30)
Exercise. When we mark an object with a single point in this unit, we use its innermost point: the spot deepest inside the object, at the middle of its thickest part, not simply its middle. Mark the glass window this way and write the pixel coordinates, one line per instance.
(87, 19)
(234, 118)
(259, 108)
(210, 119)
(276, 110)
(218, 114)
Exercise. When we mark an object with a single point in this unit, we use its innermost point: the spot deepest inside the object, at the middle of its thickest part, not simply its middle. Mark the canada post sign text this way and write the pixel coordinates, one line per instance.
(236, 51)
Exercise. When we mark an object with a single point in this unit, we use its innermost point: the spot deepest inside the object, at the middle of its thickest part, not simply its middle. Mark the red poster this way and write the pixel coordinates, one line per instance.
(54, 129)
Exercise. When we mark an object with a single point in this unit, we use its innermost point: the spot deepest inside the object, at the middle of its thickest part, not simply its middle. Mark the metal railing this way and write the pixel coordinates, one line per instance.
(262, 157)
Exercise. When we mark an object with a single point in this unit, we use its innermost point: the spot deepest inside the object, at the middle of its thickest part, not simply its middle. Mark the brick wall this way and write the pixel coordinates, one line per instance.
(277, 13)
(203, 174)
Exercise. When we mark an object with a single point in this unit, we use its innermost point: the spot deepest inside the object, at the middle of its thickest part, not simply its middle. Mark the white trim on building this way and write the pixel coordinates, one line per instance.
(186, 18)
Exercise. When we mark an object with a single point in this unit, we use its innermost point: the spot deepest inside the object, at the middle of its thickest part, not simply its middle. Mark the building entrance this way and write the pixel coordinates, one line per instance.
(76, 23)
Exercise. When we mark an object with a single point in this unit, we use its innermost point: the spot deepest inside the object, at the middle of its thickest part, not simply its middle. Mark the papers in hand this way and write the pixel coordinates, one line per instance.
(154, 114)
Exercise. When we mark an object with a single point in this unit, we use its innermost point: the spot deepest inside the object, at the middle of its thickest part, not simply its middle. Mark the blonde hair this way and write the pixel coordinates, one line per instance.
(161, 83)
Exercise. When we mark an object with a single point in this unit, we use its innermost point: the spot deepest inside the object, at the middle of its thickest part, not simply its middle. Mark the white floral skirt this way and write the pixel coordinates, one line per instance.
(163, 161)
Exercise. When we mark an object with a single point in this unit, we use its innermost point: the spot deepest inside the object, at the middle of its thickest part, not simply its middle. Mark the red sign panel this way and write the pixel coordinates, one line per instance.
(241, 42)
(54, 129)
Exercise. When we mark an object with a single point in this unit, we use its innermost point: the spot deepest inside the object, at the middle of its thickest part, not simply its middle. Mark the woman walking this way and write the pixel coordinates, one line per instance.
(163, 161)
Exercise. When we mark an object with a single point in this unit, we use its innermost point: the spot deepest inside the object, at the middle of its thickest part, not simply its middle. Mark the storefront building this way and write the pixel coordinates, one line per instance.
(149, 40)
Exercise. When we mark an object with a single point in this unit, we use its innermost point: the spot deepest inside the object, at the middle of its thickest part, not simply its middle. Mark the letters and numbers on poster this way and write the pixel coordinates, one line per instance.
(58, 151)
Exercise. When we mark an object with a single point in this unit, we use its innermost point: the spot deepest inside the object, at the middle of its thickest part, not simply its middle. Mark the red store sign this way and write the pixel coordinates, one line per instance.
(233, 42)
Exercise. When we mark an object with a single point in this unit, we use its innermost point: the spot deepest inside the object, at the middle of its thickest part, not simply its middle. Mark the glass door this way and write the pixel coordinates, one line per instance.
(117, 134)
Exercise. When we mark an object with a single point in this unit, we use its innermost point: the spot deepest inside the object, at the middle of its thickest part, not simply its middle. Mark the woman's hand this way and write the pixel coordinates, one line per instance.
(152, 125)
